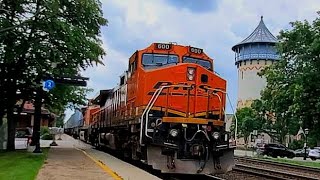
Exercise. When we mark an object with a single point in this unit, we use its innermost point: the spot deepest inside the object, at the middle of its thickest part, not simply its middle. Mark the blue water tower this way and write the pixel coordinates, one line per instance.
(251, 55)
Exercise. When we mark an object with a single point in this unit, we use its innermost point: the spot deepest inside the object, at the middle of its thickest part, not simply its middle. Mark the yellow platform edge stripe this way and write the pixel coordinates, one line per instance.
(103, 166)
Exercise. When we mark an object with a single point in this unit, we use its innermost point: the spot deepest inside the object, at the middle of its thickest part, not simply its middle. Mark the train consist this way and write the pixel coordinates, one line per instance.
(167, 111)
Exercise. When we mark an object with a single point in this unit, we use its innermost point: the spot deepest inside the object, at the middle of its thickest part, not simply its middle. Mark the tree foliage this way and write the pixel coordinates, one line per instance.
(247, 122)
(291, 97)
(64, 96)
(45, 38)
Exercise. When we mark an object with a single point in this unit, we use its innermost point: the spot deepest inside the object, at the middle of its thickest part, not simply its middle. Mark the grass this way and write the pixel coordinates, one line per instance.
(21, 164)
(294, 162)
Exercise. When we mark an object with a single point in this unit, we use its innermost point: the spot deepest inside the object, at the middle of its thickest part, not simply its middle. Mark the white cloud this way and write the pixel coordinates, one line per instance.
(104, 77)
(135, 24)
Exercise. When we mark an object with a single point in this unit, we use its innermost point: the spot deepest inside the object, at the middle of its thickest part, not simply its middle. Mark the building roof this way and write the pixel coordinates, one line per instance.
(28, 107)
(260, 34)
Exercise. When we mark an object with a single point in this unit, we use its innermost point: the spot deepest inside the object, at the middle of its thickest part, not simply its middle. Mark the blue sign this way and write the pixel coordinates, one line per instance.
(48, 84)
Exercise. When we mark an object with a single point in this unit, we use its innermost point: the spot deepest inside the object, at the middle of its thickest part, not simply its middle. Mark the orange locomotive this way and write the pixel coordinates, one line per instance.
(168, 111)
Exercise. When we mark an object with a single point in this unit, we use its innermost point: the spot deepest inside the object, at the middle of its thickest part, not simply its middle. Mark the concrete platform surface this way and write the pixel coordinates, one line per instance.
(125, 170)
(69, 163)
(66, 162)
(74, 159)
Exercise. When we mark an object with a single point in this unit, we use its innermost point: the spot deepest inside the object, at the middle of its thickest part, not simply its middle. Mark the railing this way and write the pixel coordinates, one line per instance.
(157, 94)
(234, 113)
(150, 105)
(240, 57)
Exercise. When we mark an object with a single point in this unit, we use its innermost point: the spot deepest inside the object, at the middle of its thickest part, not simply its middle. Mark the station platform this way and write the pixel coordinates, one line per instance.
(74, 159)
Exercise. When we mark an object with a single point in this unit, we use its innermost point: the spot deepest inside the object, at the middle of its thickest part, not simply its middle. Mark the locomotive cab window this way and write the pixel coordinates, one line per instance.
(151, 61)
(204, 63)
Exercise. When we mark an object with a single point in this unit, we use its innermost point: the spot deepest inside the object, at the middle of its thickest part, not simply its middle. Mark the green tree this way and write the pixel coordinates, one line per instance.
(247, 122)
(38, 35)
(276, 122)
(293, 84)
(65, 96)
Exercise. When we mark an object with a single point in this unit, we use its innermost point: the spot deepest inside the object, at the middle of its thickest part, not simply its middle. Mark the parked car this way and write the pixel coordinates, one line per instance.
(314, 153)
(300, 152)
(275, 150)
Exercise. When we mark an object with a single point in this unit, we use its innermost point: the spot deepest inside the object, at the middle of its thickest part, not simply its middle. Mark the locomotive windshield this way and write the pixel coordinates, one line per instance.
(204, 63)
(156, 60)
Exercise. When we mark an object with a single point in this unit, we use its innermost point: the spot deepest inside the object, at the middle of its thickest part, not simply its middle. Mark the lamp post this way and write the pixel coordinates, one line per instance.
(306, 132)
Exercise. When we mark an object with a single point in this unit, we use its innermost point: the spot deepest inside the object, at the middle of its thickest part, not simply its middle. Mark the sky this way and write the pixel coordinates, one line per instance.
(213, 25)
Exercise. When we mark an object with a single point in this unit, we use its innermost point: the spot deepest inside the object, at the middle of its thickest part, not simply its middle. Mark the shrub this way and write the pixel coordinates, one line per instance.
(44, 130)
(295, 144)
(46, 136)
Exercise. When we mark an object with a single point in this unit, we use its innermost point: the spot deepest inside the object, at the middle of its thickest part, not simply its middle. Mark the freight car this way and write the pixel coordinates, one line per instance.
(71, 127)
(167, 111)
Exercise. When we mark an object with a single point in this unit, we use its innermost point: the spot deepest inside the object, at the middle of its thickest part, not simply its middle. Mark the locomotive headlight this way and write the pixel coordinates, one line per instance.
(173, 132)
(190, 77)
(190, 73)
(191, 70)
(215, 135)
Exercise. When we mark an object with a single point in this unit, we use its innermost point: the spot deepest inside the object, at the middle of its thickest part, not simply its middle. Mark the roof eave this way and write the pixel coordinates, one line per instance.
(239, 44)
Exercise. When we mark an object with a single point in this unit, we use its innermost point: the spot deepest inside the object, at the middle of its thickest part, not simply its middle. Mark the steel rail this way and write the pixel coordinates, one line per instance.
(304, 168)
(269, 173)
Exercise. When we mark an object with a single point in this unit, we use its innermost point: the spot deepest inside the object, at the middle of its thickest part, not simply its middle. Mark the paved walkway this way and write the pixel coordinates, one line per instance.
(125, 170)
(65, 162)
(74, 159)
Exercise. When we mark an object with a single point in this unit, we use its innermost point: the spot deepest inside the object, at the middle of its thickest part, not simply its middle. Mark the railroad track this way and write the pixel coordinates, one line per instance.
(274, 170)
(252, 160)
(269, 173)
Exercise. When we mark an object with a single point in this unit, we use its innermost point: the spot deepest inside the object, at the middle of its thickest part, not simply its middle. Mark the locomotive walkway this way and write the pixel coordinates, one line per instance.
(73, 159)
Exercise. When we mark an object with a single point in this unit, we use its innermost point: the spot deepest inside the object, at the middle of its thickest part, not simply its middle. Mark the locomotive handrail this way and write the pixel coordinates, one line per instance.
(141, 122)
(150, 105)
(234, 114)
(220, 100)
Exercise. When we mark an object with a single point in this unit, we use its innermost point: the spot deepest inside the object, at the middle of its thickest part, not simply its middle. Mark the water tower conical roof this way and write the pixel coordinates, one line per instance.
(260, 34)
